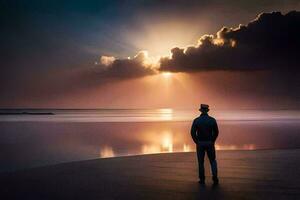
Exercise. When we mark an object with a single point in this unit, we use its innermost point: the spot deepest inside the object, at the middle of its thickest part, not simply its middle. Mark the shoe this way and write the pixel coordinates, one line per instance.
(216, 181)
(202, 182)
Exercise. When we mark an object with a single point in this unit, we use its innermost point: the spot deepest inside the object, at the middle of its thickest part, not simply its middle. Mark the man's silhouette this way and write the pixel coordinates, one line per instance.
(204, 132)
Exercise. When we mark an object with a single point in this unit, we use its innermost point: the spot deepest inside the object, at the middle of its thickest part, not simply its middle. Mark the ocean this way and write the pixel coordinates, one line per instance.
(38, 137)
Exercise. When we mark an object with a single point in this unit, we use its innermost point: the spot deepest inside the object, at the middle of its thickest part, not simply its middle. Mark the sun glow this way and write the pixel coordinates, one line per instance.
(159, 35)
(166, 74)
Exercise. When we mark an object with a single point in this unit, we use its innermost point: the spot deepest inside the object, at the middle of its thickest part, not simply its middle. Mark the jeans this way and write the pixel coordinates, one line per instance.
(209, 148)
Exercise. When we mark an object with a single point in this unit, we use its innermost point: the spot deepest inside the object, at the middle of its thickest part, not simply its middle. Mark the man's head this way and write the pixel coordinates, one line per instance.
(204, 108)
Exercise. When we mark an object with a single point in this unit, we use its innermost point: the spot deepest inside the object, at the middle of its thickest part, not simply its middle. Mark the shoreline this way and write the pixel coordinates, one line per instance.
(142, 155)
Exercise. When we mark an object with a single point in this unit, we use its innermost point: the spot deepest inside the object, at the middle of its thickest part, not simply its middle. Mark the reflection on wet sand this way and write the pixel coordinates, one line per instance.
(167, 147)
(107, 152)
(149, 149)
(161, 144)
(235, 147)
(166, 142)
(186, 148)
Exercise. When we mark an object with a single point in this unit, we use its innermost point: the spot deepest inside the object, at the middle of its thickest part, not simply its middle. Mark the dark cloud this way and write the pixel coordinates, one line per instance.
(138, 66)
(270, 41)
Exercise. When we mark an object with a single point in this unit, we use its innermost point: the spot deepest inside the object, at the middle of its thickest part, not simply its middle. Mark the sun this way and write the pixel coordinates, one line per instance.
(166, 74)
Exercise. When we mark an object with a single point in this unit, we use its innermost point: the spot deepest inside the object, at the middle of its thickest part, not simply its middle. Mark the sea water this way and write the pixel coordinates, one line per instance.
(37, 137)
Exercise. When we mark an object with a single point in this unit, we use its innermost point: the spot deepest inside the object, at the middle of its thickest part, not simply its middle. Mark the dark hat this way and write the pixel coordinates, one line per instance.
(204, 107)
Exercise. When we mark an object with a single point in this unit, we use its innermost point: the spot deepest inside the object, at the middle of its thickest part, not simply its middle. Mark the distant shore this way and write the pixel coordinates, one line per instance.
(26, 113)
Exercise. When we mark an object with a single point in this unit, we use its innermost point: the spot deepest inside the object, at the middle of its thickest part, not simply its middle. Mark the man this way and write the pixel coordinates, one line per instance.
(204, 132)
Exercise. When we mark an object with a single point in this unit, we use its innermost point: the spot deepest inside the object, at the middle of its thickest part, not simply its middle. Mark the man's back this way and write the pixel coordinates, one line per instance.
(204, 128)
(204, 132)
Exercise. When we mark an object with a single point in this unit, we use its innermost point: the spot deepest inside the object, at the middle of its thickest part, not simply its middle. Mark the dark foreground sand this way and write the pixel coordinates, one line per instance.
(265, 174)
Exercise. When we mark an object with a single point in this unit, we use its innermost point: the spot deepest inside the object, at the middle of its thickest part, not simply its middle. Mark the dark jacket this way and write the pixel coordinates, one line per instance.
(204, 129)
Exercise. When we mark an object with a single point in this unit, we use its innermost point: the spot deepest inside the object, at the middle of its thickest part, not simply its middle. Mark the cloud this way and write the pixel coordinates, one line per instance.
(140, 65)
(107, 60)
(270, 41)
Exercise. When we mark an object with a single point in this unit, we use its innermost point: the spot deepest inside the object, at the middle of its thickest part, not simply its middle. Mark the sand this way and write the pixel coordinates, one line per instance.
(261, 174)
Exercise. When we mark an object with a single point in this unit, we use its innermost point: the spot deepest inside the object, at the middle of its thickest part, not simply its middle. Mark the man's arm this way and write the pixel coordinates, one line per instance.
(215, 131)
(194, 132)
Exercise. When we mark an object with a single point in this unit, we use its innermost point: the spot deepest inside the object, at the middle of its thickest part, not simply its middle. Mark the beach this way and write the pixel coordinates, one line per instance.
(112, 99)
(146, 154)
(260, 174)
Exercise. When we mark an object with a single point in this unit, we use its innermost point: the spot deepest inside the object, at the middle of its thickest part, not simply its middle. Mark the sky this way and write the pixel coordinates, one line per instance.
(150, 54)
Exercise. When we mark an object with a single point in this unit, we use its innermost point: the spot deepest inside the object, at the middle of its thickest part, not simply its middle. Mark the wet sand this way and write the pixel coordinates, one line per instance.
(262, 174)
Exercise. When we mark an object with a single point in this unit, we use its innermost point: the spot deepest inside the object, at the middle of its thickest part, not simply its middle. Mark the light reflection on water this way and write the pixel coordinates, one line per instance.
(106, 152)
(95, 115)
(141, 115)
(164, 143)
(161, 144)
(166, 146)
